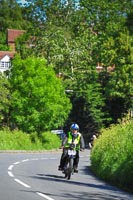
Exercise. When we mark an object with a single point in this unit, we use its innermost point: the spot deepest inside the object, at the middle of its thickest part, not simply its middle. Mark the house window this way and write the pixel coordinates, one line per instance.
(5, 64)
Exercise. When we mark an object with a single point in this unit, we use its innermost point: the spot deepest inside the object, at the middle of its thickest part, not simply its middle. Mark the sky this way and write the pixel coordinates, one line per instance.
(21, 1)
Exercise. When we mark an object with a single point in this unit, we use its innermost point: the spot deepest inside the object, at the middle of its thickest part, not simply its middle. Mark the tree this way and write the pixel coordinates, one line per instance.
(74, 37)
(38, 99)
(4, 99)
(3, 45)
(109, 21)
(11, 16)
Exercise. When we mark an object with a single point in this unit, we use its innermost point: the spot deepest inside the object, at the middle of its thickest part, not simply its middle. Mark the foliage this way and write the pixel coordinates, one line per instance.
(75, 36)
(11, 16)
(88, 104)
(49, 141)
(66, 47)
(18, 140)
(3, 46)
(4, 99)
(112, 153)
(38, 99)
(20, 46)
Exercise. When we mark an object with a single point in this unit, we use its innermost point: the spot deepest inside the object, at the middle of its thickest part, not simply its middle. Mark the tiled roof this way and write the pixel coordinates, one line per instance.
(13, 34)
(8, 53)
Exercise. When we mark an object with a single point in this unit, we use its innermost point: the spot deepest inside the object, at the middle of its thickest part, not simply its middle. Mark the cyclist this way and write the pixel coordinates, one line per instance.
(76, 137)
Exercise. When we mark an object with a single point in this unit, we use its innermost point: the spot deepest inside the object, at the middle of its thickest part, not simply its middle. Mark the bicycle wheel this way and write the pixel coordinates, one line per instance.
(66, 168)
(70, 168)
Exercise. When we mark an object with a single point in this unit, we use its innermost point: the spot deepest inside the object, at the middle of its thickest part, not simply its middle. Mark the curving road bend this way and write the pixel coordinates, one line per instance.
(34, 176)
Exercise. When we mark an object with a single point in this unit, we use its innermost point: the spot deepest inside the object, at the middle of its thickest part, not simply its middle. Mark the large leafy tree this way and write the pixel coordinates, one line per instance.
(38, 99)
(64, 39)
(110, 21)
(74, 37)
(88, 105)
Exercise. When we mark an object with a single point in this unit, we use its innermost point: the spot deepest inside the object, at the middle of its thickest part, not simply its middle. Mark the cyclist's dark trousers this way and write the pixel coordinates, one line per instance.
(63, 157)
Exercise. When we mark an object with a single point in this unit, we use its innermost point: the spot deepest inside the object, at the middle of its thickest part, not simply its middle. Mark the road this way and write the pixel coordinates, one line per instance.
(34, 176)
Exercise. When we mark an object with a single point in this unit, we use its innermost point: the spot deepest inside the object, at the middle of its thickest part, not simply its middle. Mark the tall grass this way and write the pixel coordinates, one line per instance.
(112, 156)
(17, 140)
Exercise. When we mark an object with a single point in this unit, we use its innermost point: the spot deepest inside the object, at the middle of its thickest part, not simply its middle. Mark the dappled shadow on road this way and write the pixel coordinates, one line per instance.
(95, 190)
(86, 170)
(50, 177)
(78, 195)
(91, 196)
(90, 187)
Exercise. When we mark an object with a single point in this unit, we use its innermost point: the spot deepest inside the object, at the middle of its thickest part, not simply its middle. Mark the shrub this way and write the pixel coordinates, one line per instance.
(111, 157)
(17, 140)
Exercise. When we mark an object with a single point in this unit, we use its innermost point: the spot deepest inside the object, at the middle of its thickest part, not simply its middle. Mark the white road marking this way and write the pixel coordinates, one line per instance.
(35, 159)
(25, 160)
(22, 183)
(10, 174)
(16, 163)
(25, 185)
(53, 158)
(45, 196)
(10, 167)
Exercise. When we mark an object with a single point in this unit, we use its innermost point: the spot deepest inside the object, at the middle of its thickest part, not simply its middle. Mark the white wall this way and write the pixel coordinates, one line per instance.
(4, 63)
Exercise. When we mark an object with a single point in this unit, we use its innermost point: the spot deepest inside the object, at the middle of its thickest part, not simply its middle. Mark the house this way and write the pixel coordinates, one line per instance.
(5, 60)
(11, 37)
(7, 56)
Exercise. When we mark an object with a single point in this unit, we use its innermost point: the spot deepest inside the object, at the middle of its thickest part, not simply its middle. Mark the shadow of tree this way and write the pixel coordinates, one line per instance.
(56, 178)
(98, 190)
(80, 196)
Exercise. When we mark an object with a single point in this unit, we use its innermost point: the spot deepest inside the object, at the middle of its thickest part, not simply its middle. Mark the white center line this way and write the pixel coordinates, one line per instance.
(25, 185)
(53, 158)
(10, 174)
(16, 163)
(35, 159)
(10, 167)
(45, 196)
(25, 160)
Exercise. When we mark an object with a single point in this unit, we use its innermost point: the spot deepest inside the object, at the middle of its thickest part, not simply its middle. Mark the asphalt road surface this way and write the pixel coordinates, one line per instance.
(34, 176)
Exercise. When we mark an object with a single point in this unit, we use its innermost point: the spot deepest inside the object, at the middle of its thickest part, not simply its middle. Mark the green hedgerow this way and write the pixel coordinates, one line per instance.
(17, 140)
(112, 155)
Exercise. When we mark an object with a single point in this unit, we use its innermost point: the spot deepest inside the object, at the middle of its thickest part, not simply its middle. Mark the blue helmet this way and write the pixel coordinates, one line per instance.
(74, 127)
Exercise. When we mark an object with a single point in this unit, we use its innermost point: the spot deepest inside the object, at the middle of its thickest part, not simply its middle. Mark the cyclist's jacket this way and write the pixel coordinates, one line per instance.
(78, 141)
